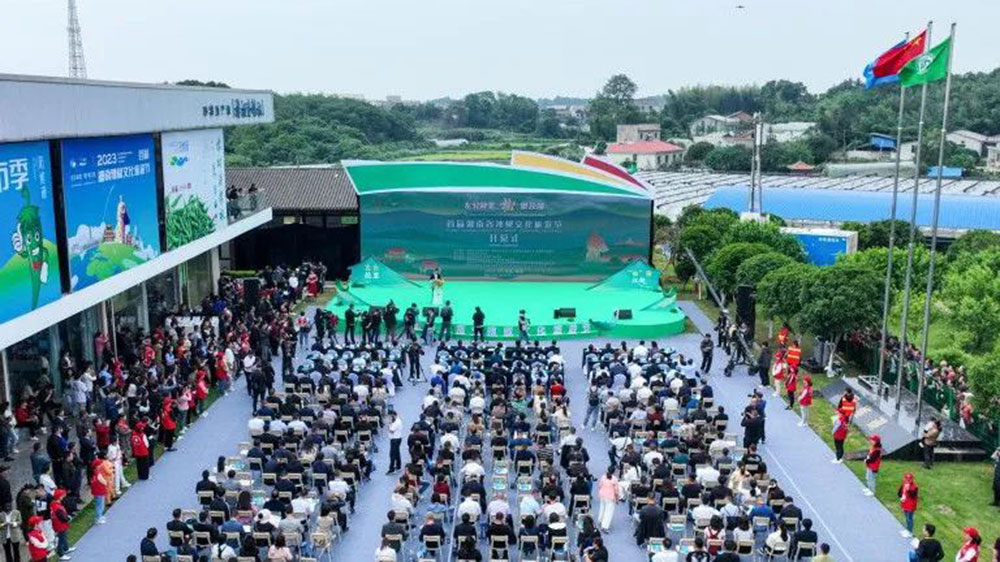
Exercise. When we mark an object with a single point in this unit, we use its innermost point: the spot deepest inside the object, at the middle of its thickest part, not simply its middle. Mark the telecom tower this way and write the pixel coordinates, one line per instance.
(77, 65)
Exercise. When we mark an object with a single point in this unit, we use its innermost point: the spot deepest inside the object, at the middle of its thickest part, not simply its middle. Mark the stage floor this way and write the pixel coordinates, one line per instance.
(654, 314)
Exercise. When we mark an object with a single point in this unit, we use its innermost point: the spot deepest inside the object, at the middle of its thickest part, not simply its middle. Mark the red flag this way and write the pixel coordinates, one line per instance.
(893, 60)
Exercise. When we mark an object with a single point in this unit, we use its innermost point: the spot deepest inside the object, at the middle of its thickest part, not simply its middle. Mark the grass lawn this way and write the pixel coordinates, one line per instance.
(84, 518)
(952, 495)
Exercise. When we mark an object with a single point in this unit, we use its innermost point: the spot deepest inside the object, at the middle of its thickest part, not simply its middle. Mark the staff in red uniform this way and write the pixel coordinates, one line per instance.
(848, 404)
(791, 385)
(805, 399)
(794, 356)
(840, 431)
(60, 524)
(168, 425)
(909, 496)
(140, 449)
(38, 545)
(873, 461)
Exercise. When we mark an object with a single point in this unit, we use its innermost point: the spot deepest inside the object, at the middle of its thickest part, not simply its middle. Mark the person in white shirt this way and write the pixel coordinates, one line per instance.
(400, 502)
(385, 552)
(529, 506)
(649, 457)
(707, 476)
(640, 352)
(703, 512)
(477, 404)
(255, 426)
(277, 427)
(298, 426)
(498, 505)
(472, 468)
(395, 440)
(471, 507)
(303, 505)
(552, 506)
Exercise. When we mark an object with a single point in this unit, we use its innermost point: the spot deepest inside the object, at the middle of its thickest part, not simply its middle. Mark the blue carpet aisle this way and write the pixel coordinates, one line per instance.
(171, 483)
(858, 528)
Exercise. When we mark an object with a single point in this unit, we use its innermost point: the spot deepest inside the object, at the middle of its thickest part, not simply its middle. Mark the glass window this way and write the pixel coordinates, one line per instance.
(29, 361)
(161, 296)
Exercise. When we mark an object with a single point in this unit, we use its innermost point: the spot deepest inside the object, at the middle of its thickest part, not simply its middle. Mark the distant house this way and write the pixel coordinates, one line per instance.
(449, 143)
(785, 132)
(993, 158)
(640, 132)
(647, 154)
(973, 141)
(715, 124)
(726, 139)
(801, 167)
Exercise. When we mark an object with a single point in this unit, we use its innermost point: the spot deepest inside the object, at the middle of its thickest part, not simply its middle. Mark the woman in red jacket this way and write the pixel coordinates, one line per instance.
(791, 385)
(140, 449)
(908, 498)
(873, 461)
(38, 546)
(60, 524)
(805, 399)
(168, 426)
(840, 430)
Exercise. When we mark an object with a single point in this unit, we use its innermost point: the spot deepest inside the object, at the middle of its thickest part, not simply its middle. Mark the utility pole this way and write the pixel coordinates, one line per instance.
(756, 203)
(77, 65)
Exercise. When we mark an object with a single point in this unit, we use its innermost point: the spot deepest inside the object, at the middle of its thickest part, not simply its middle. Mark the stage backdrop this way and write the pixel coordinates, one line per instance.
(109, 185)
(29, 261)
(482, 221)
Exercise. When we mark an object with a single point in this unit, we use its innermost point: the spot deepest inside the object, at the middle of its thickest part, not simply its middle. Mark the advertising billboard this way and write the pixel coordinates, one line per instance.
(109, 186)
(29, 261)
(504, 235)
(194, 184)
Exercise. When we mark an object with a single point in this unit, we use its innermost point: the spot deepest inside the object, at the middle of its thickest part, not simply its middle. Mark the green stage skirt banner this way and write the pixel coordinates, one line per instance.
(505, 235)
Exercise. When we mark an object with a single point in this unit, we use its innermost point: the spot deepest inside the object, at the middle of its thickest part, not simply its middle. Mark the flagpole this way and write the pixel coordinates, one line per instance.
(934, 222)
(892, 240)
(901, 362)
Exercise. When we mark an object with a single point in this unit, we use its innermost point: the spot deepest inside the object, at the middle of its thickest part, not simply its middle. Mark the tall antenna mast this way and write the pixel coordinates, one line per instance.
(77, 65)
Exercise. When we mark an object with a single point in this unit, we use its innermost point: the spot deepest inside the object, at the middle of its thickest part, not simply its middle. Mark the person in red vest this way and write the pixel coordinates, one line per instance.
(140, 449)
(909, 496)
(98, 487)
(783, 334)
(791, 385)
(840, 430)
(873, 461)
(794, 356)
(168, 425)
(778, 371)
(38, 545)
(848, 404)
(805, 399)
(200, 388)
(60, 524)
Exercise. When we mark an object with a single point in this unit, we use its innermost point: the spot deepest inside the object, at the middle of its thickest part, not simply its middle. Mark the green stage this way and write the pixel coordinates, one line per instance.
(635, 287)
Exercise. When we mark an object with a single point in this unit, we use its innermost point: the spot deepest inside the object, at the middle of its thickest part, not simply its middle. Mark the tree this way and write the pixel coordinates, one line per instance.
(779, 291)
(614, 105)
(751, 271)
(840, 299)
(697, 152)
(723, 263)
(765, 233)
(971, 293)
(875, 234)
(973, 241)
(209, 84)
(986, 384)
(876, 260)
(548, 125)
(479, 107)
(701, 240)
(729, 159)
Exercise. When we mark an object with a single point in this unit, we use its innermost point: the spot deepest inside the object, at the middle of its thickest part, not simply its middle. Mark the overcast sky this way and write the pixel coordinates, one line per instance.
(435, 48)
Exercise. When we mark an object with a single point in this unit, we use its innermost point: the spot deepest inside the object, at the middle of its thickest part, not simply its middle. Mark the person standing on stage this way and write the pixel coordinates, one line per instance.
(478, 320)
(523, 324)
(707, 347)
(389, 317)
(446, 315)
(349, 318)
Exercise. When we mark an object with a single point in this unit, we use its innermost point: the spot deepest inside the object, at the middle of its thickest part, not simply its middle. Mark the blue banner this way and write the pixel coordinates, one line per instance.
(111, 206)
(29, 262)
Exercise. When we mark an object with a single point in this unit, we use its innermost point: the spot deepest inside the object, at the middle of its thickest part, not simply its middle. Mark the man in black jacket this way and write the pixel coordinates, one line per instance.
(929, 549)
(706, 353)
(349, 319)
(804, 535)
(764, 365)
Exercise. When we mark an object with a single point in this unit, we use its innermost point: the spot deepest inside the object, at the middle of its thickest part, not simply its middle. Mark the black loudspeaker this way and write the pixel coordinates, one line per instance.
(623, 314)
(564, 313)
(251, 290)
(746, 308)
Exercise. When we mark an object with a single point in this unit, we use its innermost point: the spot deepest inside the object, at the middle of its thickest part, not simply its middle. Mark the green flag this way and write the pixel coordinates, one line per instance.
(928, 67)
